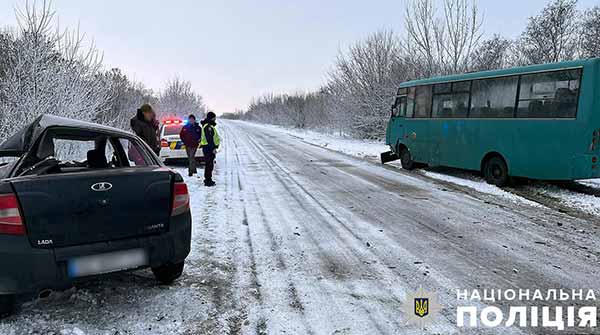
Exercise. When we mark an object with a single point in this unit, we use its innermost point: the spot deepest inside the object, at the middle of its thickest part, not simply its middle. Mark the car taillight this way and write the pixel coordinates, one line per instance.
(164, 143)
(181, 199)
(11, 222)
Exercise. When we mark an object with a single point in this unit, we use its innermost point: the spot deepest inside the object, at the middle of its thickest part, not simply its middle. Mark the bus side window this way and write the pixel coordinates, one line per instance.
(402, 106)
(453, 103)
(399, 108)
(395, 107)
(549, 95)
(423, 101)
(410, 102)
(494, 98)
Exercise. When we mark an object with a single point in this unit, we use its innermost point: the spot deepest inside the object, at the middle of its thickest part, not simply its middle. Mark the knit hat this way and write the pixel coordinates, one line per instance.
(145, 108)
(211, 115)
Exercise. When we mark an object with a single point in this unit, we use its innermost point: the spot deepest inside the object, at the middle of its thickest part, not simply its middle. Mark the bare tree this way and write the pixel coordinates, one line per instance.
(46, 69)
(551, 36)
(491, 54)
(443, 44)
(366, 79)
(49, 71)
(125, 97)
(590, 33)
(7, 39)
(179, 99)
(440, 39)
(424, 36)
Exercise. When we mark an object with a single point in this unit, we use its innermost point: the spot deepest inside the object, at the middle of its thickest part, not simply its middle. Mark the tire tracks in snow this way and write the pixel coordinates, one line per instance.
(294, 302)
(332, 231)
(480, 261)
(380, 258)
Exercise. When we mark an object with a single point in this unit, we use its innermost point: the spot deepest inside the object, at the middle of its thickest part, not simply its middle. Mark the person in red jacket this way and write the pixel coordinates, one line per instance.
(190, 135)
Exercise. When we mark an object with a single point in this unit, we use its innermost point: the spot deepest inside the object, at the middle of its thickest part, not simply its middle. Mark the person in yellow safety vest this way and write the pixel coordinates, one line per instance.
(209, 142)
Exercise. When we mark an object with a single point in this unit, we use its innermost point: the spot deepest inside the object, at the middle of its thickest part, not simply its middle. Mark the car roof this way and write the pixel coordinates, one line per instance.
(20, 142)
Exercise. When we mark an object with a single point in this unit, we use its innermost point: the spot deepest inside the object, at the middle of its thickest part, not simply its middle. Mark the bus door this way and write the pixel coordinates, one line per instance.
(395, 131)
(451, 142)
(449, 110)
(417, 135)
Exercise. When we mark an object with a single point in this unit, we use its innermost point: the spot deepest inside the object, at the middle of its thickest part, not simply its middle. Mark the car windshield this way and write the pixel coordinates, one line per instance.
(171, 130)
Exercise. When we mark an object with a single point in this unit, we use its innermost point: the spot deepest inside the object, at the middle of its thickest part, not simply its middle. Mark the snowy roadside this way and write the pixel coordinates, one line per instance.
(370, 150)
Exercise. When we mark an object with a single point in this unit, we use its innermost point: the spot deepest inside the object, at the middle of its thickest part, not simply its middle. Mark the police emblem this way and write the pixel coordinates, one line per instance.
(421, 308)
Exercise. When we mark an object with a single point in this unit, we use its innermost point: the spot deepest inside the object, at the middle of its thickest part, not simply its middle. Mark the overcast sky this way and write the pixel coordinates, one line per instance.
(233, 50)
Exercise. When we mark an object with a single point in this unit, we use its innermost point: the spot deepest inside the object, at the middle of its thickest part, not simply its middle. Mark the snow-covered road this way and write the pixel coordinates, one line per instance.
(299, 239)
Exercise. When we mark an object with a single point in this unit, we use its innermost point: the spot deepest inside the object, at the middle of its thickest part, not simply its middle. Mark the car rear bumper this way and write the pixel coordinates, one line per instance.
(166, 153)
(24, 269)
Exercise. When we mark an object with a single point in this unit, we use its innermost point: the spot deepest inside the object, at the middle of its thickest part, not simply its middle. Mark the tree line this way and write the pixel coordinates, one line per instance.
(439, 38)
(44, 69)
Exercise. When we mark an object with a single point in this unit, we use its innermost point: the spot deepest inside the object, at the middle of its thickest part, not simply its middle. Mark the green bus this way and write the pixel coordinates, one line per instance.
(538, 122)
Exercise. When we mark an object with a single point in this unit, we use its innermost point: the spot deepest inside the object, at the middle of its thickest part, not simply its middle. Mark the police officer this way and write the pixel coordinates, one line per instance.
(210, 143)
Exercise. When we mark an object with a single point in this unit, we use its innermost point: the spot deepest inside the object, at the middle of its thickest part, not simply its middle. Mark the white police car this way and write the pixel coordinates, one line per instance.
(172, 148)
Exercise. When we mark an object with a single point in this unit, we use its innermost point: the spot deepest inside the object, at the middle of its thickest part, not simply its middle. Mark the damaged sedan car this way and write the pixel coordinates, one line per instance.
(79, 199)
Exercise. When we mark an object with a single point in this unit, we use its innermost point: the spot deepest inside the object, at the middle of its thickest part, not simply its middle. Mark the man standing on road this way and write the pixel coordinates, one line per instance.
(191, 134)
(145, 125)
(210, 143)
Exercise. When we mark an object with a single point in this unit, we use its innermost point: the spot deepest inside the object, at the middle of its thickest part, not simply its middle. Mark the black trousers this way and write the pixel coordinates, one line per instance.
(209, 165)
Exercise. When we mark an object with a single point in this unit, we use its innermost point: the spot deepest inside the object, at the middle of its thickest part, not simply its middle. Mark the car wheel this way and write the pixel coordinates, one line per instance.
(495, 171)
(167, 274)
(406, 160)
(7, 305)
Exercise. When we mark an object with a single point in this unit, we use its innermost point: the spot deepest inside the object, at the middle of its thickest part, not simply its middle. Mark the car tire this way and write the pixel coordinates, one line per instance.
(7, 305)
(495, 171)
(168, 273)
(406, 160)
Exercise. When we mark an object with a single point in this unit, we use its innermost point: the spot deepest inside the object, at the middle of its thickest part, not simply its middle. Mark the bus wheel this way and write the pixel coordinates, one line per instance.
(495, 171)
(406, 160)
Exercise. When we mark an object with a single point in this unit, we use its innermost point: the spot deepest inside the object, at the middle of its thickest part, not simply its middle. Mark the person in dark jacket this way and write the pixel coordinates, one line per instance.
(145, 125)
(191, 134)
(209, 142)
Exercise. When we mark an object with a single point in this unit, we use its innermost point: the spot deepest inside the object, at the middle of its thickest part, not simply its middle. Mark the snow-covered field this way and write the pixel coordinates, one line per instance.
(371, 149)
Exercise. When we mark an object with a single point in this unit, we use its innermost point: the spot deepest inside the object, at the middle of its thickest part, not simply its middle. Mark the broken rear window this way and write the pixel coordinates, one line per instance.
(62, 150)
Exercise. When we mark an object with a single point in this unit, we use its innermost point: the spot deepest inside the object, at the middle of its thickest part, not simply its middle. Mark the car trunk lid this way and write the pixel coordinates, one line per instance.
(89, 207)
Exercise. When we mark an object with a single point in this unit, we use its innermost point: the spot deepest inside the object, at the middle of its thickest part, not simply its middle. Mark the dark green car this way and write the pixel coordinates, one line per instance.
(81, 199)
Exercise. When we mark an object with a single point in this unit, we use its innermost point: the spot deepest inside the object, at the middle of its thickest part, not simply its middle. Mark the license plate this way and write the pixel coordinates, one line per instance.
(106, 263)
